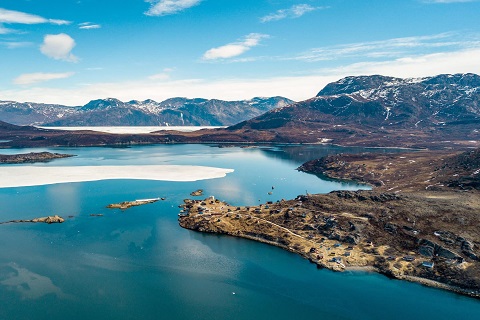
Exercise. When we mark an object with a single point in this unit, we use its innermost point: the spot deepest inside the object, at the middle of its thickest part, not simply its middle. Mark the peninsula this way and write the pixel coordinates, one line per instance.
(419, 223)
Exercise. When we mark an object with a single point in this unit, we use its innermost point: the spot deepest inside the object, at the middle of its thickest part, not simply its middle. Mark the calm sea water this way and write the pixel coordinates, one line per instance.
(139, 264)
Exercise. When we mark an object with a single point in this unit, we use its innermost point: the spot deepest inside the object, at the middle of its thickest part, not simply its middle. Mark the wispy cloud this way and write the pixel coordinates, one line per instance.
(16, 44)
(88, 26)
(4, 30)
(167, 7)
(59, 47)
(460, 61)
(236, 48)
(295, 11)
(10, 16)
(390, 48)
(33, 78)
(162, 76)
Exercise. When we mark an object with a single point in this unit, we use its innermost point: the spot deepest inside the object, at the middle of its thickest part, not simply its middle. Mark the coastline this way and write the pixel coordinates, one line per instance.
(338, 253)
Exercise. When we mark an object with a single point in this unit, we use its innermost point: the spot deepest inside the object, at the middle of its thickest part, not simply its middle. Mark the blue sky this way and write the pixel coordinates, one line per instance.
(72, 51)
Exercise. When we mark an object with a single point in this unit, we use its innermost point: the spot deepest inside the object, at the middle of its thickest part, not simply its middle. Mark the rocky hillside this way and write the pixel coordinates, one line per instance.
(33, 113)
(364, 108)
(113, 112)
(406, 172)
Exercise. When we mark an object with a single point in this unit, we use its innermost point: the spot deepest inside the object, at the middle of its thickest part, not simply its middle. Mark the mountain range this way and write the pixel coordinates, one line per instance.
(367, 108)
(431, 112)
(113, 112)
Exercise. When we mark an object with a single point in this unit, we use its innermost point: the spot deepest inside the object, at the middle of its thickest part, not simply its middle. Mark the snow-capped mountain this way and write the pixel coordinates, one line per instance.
(403, 102)
(384, 102)
(113, 112)
(33, 113)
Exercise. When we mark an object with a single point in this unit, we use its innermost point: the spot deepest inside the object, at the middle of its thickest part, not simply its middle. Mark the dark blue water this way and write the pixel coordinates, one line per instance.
(139, 264)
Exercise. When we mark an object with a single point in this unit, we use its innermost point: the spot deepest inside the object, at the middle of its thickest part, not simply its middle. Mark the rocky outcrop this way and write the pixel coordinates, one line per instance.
(196, 193)
(128, 204)
(48, 220)
(32, 157)
(431, 249)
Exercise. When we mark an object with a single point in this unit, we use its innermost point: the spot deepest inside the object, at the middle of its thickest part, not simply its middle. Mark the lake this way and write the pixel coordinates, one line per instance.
(139, 264)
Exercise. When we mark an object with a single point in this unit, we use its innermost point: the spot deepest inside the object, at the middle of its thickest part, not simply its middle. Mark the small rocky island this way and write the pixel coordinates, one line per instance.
(420, 224)
(31, 157)
(197, 193)
(128, 204)
(48, 220)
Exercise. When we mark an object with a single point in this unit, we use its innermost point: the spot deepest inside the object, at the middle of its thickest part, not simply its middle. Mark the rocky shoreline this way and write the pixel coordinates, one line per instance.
(419, 224)
(336, 240)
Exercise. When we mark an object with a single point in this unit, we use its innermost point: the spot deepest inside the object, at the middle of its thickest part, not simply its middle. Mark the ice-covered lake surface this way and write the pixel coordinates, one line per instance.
(24, 176)
(139, 264)
(134, 129)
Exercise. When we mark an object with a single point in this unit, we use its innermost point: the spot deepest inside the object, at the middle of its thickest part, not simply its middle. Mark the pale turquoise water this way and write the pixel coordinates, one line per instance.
(140, 264)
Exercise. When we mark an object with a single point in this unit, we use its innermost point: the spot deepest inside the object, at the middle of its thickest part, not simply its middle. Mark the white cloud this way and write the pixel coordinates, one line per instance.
(295, 11)
(10, 16)
(166, 7)
(59, 22)
(33, 78)
(88, 26)
(235, 49)
(59, 47)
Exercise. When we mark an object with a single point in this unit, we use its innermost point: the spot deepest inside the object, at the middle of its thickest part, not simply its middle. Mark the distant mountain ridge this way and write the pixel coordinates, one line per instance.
(403, 102)
(440, 112)
(366, 106)
(113, 112)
